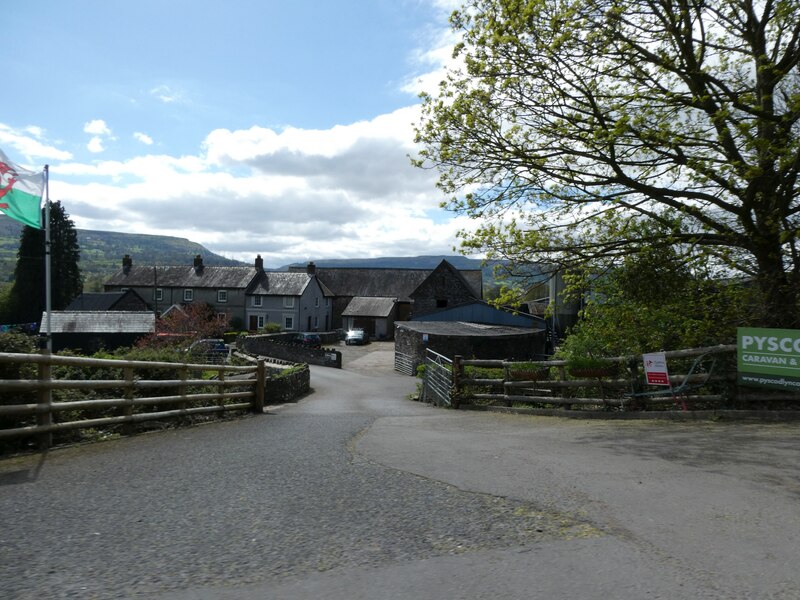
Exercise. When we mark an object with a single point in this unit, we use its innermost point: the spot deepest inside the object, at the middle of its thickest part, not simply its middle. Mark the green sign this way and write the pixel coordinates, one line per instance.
(769, 357)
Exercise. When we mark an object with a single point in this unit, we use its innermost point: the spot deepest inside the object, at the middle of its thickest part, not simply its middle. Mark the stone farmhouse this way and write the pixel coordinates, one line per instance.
(247, 297)
(311, 298)
(304, 298)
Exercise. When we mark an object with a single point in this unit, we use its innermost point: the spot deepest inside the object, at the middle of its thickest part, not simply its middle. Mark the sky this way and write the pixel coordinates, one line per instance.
(272, 127)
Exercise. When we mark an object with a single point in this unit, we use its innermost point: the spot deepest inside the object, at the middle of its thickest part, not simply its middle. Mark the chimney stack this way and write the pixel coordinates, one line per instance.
(311, 268)
(198, 264)
(259, 263)
(127, 263)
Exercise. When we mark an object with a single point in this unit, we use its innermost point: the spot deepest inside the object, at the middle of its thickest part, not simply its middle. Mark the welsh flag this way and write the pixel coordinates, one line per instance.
(21, 193)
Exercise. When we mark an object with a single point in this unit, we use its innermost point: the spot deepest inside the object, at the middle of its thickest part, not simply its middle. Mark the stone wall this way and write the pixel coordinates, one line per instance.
(272, 346)
(281, 388)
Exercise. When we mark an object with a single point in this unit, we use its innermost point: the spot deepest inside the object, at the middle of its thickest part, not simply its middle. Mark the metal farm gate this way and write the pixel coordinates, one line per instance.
(438, 381)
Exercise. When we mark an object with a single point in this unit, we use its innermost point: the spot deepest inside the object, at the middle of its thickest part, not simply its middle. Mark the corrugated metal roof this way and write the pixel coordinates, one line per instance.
(111, 321)
(463, 329)
(184, 276)
(479, 311)
(369, 307)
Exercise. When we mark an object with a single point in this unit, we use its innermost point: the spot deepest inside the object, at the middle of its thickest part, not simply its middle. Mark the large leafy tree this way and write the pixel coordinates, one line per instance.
(582, 131)
(28, 293)
(652, 301)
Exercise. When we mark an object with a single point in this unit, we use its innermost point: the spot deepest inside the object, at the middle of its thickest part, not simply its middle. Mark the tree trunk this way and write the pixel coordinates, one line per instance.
(778, 293)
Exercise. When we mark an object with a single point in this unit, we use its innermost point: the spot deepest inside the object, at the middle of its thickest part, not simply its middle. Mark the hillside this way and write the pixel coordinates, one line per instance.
(102, 251)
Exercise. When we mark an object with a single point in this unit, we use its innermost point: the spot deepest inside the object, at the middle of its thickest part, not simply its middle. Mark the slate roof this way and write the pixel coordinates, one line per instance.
(100, 301)
(463, 329)
(112, 321)
(470, 285)
(369, 307)
(375, 283)
(184, 277)
(280, 284)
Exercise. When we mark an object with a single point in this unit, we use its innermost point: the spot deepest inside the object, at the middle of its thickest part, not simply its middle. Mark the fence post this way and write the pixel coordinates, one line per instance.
(455, 396)
(261, 383)
(222, 388)
(565, 393)
(636, 385)
(127, 409)
(183, 389)
(44, 414)
(506, 379)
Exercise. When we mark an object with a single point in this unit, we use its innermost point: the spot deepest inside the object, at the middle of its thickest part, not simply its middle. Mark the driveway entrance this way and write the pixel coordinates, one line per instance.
(357, 492)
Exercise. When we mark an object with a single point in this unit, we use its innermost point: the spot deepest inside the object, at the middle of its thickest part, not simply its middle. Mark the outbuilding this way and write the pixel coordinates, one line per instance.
(92, 331)
(374, 315)
(469, 340)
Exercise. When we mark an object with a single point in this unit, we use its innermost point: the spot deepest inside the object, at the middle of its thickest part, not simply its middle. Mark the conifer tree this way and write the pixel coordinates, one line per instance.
(28, 292)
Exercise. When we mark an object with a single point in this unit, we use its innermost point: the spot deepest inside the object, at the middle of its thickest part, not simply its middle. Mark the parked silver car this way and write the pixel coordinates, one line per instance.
(356, 337)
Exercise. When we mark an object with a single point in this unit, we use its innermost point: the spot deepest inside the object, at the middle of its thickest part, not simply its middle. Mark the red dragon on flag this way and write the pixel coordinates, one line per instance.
(20, 193)
(8, 177)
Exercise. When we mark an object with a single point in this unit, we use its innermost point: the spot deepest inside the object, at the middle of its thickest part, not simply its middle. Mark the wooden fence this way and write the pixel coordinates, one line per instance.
(549, 384)
(191, 396)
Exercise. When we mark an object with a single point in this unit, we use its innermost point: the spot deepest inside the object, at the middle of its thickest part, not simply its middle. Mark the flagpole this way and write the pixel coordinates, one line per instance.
(47, 285)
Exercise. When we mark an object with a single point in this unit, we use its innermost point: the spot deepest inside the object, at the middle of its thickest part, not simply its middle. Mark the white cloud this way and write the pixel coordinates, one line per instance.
(435, 52)
(95, 145)
(35, 131)
(166, 94)
(97, 127)
(32, 149)
(290, 194)
(100, 134)
(349, 191)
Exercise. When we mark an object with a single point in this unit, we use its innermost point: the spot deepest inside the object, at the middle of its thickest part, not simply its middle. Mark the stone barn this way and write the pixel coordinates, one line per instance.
(469, 340)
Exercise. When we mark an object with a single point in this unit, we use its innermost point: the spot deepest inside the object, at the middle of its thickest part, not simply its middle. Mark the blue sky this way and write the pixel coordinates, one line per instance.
(272, 127)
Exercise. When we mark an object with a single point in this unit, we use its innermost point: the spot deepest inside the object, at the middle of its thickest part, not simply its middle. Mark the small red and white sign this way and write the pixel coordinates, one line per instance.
(655, 368)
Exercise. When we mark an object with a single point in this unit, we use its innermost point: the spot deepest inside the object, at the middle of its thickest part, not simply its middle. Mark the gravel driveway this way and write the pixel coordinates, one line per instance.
(358, 492)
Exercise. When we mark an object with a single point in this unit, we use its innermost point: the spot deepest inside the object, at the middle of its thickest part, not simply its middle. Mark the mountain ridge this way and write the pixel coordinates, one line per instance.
(102, 252)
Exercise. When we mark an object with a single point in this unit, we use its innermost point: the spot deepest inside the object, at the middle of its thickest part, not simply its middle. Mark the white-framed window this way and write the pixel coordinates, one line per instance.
(316, 322)
(288, 302)
(158, 294)
(257, 301)
(188, 295)
(316, 302)
(288, 322)
(260, 321)
(222, 296)
(327, 302)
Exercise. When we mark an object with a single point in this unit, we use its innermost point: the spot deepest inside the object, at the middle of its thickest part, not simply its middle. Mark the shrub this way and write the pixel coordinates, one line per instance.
(271, 327)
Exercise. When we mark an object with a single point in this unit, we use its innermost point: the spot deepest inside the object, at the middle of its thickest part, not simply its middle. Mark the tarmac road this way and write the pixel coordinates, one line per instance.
(357, 492)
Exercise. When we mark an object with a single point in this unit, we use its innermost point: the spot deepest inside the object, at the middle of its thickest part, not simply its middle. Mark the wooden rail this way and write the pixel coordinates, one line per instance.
(604, 391)
(227, 395)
